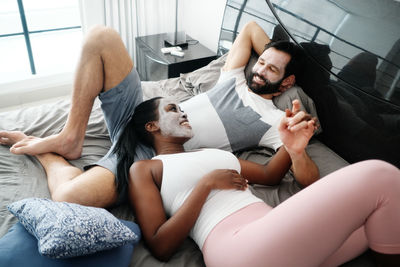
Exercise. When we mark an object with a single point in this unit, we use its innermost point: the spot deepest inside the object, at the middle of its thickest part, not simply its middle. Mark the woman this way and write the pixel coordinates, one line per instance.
(204, 194)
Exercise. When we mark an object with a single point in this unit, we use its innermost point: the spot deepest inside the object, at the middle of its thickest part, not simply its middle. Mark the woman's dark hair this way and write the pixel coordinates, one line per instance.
(133, 133)
(291, 49)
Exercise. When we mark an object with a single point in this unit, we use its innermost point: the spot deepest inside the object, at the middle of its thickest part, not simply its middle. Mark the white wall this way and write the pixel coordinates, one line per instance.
(202, 20)
(36, 89)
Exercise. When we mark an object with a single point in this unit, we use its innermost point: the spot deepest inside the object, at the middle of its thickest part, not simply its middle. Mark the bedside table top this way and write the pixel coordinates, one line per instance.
(192, 51)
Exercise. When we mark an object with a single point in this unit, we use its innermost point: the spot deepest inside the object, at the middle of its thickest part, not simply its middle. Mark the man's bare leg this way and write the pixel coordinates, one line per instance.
(94, 187)
(104, 63)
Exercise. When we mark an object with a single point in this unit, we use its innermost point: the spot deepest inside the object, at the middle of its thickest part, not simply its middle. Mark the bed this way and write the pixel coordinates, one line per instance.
(22, 176)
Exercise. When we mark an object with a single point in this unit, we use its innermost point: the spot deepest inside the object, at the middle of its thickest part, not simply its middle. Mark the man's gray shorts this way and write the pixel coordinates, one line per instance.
(118, 105)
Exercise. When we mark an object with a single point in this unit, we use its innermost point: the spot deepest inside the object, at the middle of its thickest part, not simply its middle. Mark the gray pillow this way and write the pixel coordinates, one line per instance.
(67, 230)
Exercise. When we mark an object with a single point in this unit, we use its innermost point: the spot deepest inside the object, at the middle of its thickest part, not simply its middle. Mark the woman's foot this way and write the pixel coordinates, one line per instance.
(20, 144)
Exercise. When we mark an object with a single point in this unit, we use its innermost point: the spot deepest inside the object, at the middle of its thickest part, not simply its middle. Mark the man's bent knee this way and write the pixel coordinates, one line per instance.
(84, 196)
(102, 37)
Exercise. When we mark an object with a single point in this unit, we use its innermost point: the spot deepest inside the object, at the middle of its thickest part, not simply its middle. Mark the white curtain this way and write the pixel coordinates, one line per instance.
(155, 16)
(131, 18)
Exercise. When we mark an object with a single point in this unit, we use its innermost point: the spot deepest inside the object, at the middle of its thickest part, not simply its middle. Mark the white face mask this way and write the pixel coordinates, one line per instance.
(172, 120)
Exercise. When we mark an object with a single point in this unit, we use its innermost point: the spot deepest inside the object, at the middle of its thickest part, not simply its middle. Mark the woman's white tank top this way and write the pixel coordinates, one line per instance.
(182, 171)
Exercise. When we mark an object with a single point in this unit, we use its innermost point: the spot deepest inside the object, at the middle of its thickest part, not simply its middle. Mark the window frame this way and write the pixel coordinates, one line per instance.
(43, 86)
(26, 33)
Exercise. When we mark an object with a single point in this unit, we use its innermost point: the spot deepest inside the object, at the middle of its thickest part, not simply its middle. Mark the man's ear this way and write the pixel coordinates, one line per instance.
(152, 126)
(288, 82)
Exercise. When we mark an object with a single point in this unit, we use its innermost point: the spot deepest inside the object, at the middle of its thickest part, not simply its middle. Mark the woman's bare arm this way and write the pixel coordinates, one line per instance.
(304, 169)
(269, 174)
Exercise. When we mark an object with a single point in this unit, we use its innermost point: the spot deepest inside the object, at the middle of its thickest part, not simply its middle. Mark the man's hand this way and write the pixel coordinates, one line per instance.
(296, 129)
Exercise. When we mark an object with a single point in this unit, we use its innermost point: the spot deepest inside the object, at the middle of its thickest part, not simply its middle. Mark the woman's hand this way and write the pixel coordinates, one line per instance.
(296, 129)
(224, 179)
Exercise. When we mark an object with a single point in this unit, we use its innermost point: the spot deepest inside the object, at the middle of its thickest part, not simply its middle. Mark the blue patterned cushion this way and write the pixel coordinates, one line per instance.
(67, 230)
(18, 248)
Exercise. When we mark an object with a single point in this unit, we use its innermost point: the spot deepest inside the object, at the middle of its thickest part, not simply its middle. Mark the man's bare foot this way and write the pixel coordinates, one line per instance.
(9, 138)
(22, 144)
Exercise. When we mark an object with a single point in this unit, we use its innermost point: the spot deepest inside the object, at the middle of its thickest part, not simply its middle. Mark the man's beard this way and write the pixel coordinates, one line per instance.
(267, 88)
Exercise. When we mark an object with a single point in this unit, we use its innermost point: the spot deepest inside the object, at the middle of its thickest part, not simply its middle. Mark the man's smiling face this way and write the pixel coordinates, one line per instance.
(268, 72)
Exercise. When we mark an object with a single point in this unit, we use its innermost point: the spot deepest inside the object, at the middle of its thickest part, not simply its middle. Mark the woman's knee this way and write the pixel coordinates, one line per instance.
(379, 172)
(380, 167)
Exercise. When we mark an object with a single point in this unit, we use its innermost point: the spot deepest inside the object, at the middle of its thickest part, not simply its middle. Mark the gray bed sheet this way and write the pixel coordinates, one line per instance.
(22, 176)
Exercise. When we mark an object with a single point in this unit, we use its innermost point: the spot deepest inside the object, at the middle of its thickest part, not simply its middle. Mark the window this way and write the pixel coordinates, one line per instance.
(38, 37)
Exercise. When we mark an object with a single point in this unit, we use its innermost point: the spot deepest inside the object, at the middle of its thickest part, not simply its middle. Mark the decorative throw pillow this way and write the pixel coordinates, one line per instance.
(67, 230)
(19, 248)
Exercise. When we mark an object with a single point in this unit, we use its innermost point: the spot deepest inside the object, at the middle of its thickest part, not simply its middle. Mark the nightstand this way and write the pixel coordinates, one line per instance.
(153, 65)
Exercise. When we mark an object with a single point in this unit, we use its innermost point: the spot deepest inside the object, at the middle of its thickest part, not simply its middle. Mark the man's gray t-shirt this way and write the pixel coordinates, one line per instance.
(231, 118)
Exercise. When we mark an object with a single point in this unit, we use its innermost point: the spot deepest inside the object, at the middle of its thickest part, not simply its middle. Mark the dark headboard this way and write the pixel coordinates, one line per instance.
(353, 79)
(238, 13)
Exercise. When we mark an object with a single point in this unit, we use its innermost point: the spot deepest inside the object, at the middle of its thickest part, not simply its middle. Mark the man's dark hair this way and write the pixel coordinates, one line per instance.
(293, 50)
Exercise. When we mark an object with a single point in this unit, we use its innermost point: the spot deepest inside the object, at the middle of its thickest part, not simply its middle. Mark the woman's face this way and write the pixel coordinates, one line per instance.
(172, 120)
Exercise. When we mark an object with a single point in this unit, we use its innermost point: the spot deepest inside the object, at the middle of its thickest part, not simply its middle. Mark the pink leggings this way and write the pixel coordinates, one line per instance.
(326, 224)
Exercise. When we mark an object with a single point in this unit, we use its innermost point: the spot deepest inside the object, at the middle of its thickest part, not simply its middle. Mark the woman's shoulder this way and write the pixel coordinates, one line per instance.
(143, 166)
(147, 171)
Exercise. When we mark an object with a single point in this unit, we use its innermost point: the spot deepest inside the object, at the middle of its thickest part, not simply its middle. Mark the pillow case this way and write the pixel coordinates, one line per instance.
(67, 230)
(19, 248)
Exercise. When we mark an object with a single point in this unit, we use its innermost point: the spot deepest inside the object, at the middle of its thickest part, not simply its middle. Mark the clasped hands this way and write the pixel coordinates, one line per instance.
(296, 128)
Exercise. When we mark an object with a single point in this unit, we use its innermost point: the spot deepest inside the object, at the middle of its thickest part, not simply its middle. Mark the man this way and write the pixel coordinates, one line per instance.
(106, 70)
